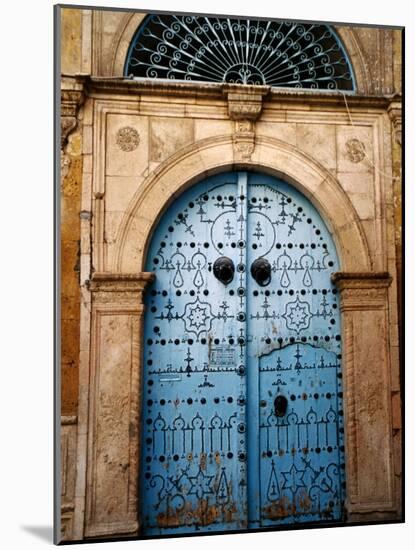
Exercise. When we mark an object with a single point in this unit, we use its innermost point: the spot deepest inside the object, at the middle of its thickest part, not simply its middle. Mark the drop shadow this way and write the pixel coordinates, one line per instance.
(42, 532)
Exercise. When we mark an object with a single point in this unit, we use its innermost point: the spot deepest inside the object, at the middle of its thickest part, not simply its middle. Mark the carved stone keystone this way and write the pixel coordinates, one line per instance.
(244, 108)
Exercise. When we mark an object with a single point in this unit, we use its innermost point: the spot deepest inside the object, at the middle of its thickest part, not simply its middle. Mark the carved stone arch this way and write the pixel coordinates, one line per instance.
(109, 413)
(356, 57)
(211, 156)
(122, 40)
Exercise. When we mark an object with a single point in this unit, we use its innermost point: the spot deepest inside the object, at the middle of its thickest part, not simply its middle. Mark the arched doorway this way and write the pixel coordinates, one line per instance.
(242, 386)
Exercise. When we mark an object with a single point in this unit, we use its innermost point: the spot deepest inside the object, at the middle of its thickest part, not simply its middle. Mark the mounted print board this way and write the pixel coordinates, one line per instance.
(230, 274)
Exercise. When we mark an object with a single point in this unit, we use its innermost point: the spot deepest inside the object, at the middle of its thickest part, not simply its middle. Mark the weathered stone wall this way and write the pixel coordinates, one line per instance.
(396, 118)
(70, 205)
(71, 40)
(70, 268)
(71, 185)
(133, 149)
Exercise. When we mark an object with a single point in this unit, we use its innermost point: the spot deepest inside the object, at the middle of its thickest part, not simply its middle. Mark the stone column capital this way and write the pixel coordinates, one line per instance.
(362, 291)
(361, 280)
(114, 287)
(72, 97)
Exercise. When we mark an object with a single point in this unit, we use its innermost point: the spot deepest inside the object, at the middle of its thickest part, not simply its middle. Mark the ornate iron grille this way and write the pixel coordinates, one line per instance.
(241, 51)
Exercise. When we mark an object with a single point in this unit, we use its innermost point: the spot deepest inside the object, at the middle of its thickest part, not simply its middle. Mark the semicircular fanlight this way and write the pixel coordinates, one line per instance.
(242, 51)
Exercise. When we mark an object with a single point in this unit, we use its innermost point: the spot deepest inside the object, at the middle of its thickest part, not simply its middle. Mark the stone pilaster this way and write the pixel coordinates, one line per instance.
(395, 115)
(70, 199)
(67, 473)
(367, 386)
(114, 404)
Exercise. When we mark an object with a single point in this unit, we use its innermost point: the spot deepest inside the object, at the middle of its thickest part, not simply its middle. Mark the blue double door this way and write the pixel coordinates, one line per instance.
(242, 410)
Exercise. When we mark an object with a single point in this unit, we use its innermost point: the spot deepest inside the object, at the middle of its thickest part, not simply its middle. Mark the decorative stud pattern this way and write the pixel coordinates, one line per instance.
(217, 355)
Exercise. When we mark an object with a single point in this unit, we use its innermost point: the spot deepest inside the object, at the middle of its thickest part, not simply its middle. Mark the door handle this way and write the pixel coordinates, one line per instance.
(280, 405)
(261, 271)
(224, 270)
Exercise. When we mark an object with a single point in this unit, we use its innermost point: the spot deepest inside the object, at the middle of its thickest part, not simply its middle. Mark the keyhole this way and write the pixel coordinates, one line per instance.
(280, 405)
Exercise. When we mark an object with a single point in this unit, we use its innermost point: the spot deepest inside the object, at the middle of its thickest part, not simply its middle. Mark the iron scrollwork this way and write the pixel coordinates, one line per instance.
(241, 51)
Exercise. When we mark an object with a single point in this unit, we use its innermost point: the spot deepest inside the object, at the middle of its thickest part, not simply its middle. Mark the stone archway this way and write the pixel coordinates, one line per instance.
(110, 420)
(211, 156)
(200, 364)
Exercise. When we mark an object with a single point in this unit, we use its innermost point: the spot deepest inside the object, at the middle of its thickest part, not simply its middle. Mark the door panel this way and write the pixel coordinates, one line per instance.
(299, 450)
(194, 449)
(215, 455)
(296, 467)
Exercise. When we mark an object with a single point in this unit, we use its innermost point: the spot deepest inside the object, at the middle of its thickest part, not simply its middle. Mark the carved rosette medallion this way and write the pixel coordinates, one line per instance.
(128, 139)
(355, 150)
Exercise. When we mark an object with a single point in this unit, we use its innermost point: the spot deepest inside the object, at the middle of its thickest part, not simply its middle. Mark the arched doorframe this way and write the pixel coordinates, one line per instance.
(112, 421)
(214, 155)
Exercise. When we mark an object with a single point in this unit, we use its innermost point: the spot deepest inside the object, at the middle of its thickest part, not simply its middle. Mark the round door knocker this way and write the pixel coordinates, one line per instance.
(261, 271)
(224, 270)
